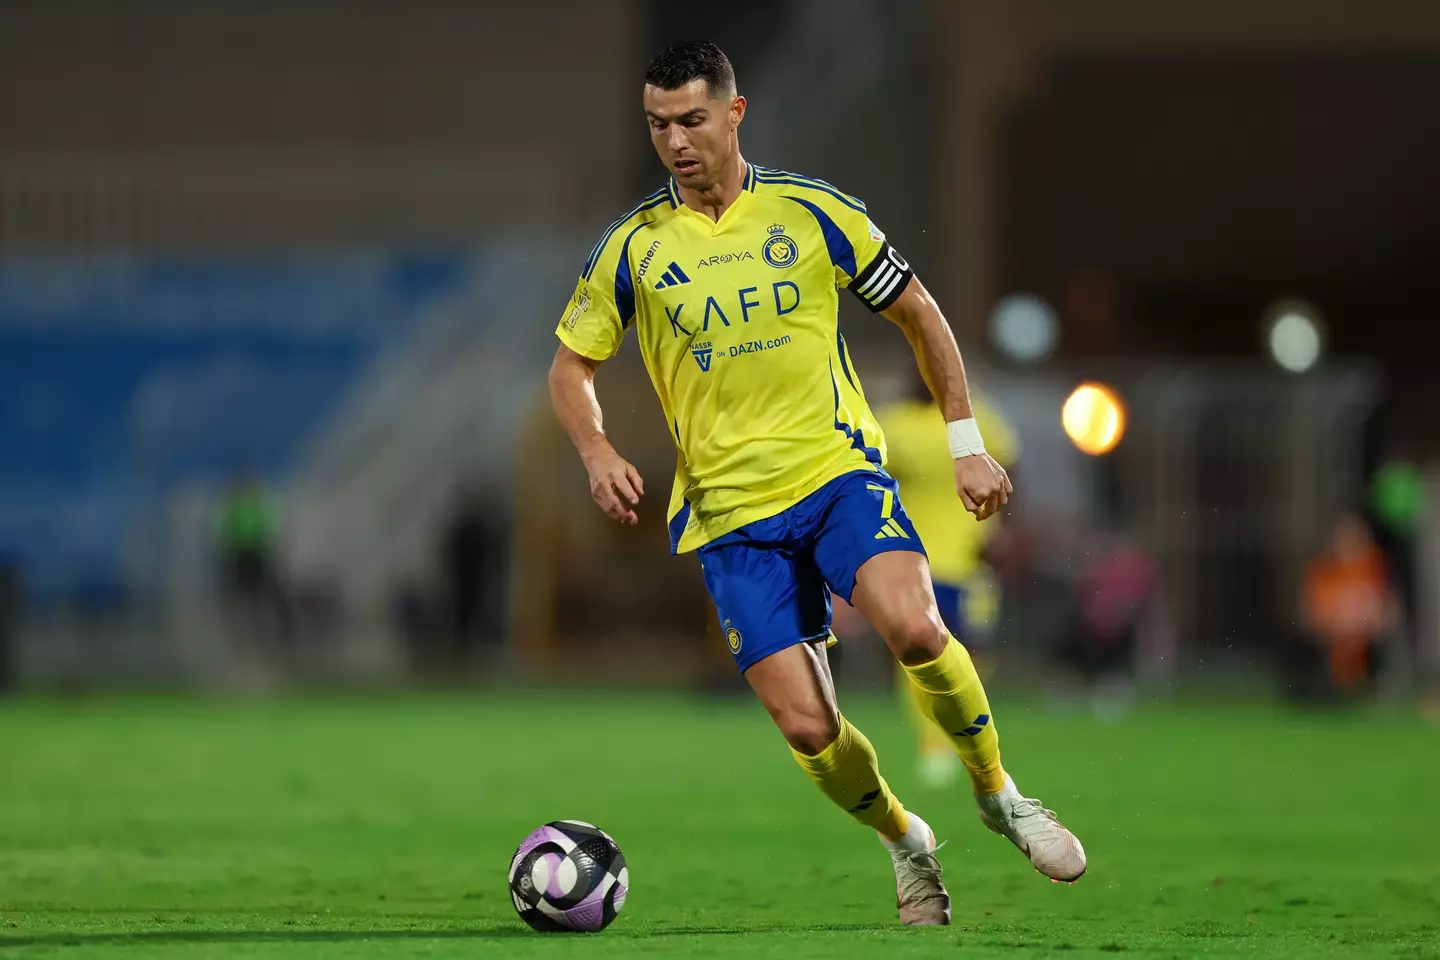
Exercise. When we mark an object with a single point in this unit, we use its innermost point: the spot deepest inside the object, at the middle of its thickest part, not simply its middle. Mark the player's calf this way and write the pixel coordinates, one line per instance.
(949, 692)
(848, 772)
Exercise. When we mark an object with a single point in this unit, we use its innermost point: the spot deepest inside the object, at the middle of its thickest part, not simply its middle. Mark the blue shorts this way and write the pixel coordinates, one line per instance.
(771, 580)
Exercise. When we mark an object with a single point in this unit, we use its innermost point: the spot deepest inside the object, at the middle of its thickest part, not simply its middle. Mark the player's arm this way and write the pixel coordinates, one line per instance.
(869, 267)
(614, 482)
(590, 332)
(981, 482)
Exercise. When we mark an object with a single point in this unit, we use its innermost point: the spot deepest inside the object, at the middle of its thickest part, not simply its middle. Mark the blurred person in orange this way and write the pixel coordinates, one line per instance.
(1349, 602)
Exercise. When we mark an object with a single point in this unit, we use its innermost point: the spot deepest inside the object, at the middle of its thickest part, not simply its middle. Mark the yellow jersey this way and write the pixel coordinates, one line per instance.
(736, 322)
(920, 460)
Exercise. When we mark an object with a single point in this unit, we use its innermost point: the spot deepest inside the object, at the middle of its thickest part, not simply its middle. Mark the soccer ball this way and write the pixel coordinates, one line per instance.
(568, 876)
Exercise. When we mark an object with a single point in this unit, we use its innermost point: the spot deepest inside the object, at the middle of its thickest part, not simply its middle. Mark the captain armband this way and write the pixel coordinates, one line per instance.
(880, 284)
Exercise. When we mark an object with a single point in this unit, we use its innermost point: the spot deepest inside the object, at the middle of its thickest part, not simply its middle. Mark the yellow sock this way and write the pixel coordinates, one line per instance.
(849, 774)
(949, 692)
(929, 737)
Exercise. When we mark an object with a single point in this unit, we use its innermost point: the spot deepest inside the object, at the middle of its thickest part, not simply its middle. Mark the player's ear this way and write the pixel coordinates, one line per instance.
(737, 111)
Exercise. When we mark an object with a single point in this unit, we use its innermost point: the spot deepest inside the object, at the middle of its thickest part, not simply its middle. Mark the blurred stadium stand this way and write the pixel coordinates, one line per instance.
(126, 377)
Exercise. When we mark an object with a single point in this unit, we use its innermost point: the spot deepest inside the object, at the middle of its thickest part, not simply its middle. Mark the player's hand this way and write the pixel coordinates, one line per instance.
(982, 484)
(615, 484)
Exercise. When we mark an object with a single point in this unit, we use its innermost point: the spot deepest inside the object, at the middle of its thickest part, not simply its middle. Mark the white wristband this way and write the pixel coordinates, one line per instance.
(965, 440)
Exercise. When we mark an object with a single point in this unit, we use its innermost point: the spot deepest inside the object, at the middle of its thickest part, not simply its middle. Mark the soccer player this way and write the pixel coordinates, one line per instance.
(730, 274)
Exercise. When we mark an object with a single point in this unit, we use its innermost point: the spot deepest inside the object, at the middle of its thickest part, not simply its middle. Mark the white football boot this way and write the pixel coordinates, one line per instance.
(919, 892)
(1052, 849)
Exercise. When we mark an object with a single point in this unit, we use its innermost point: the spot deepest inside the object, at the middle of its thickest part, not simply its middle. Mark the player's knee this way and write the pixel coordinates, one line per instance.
(918, 638)
(809, 731)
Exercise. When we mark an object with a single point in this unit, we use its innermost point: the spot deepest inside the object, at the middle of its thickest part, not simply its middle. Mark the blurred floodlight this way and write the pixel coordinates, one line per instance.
(1094, 418)
(1294, 336)
(1023, 327)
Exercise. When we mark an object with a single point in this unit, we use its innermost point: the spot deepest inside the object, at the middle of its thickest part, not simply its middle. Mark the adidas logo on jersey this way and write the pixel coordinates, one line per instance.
(673, 276)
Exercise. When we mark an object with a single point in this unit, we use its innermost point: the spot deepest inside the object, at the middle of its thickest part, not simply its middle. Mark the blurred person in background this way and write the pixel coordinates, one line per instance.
(1118, 621)
(471, 555)
(730, 274)
(245, 540)
(966, 588)
(1349, 608)
(463, 555)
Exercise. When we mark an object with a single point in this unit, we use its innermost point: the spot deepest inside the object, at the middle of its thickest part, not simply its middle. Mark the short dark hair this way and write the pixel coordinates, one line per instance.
(687, 60)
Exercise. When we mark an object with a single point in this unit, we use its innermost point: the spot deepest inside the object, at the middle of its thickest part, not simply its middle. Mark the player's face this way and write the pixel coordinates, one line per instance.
(693, 132)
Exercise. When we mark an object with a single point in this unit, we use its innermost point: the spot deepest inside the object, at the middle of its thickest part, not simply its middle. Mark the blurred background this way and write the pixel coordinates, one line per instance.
(278, 286)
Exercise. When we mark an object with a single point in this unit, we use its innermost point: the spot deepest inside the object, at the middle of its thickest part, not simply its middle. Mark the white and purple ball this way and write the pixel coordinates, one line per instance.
(568, 876)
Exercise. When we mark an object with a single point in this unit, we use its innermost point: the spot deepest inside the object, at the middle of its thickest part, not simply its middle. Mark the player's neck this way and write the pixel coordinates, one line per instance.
(725, 191)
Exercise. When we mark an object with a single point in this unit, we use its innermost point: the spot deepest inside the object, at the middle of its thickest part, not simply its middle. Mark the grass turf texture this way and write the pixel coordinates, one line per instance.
(383, 828)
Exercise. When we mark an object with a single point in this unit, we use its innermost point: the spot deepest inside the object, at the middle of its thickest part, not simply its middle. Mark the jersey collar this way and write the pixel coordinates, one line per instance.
(674, 188)
(731, 212)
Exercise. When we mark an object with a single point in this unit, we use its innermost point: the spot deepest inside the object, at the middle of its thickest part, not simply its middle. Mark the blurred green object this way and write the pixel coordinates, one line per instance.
(247, 520)
(1397, 495)
(383, 827)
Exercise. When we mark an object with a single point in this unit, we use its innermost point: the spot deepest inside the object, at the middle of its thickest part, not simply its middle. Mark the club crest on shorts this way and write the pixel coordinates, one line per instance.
(733, 638)
(779, 250)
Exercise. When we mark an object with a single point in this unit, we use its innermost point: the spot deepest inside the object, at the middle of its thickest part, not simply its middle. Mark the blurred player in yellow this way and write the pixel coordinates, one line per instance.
(966, 592)
(730, 275)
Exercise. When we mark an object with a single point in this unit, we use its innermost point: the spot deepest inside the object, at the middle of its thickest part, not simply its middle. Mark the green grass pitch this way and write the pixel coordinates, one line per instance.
(356, 828)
